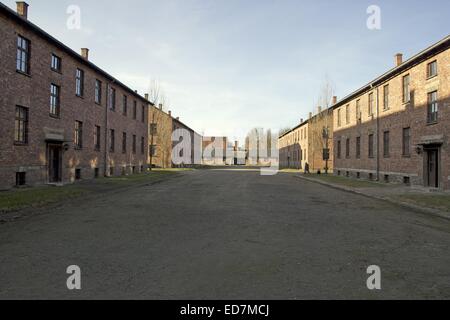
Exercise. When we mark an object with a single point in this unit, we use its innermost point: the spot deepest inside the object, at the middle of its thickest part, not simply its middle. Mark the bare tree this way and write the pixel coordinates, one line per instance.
(160, 124)
(321, 125)
(283, 131)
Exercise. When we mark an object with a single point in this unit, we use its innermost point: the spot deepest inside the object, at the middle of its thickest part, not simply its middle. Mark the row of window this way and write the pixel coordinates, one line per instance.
(23, 66)
(406, 92)
(21, 134)
(406, 145)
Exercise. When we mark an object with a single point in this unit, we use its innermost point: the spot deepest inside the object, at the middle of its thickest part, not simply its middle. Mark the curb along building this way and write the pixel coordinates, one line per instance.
(62, 118)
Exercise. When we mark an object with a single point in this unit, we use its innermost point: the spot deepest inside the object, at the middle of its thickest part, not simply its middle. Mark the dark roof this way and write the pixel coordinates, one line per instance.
(431, 51)
(293, 129)
(16, 17)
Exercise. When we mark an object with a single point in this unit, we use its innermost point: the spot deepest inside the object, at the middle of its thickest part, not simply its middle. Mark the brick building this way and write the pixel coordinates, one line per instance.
(160, 137)
(62, 117)
(320, 140)
(165, 142)
(187, 146)
(311, 142)
(293, 147)
(396, 128)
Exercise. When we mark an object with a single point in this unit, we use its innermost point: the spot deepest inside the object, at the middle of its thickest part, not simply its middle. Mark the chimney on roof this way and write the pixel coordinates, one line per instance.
(301, 120)
(146, 96)
(398, 59)
(178, 118)
(310, 115)
(170, 113)
(22, 9)
(85, 53)
(319, 109)
(334, 100)
(160, 106)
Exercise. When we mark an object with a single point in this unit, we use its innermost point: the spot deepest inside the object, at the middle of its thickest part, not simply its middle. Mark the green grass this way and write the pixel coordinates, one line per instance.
(40, 196)
(440, 201)
(152, 176)
(347, 181)
(36, 197)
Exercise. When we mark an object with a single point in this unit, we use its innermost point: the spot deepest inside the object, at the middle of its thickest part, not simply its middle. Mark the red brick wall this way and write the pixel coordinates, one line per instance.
(33, 92)
(397, 117)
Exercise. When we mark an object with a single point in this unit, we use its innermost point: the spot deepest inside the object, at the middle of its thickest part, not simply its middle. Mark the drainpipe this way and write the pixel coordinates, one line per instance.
(107, 104)
(105, 156)
(378, 133)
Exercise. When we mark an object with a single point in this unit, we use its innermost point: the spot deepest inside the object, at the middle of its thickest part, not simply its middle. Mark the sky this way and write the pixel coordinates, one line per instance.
(227, 66)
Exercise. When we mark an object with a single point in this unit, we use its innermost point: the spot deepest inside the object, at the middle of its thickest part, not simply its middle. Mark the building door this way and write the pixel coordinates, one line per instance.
(433, 168)
(54, 163)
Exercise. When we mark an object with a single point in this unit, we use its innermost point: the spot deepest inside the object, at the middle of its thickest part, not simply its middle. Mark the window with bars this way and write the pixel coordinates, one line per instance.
(406, 89)
(432, 69)
(21, 126)
(78, 140)
(23, 55)
(98, 92)
(79, 83)
(54, 100)
(56, 63)
(433, 107)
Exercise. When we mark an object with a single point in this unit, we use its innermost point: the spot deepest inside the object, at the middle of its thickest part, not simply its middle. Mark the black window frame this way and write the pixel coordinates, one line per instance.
(98, 92)
(79, 82)
(23, 55)
(55, 101)
(135, 110)
(56, 59)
